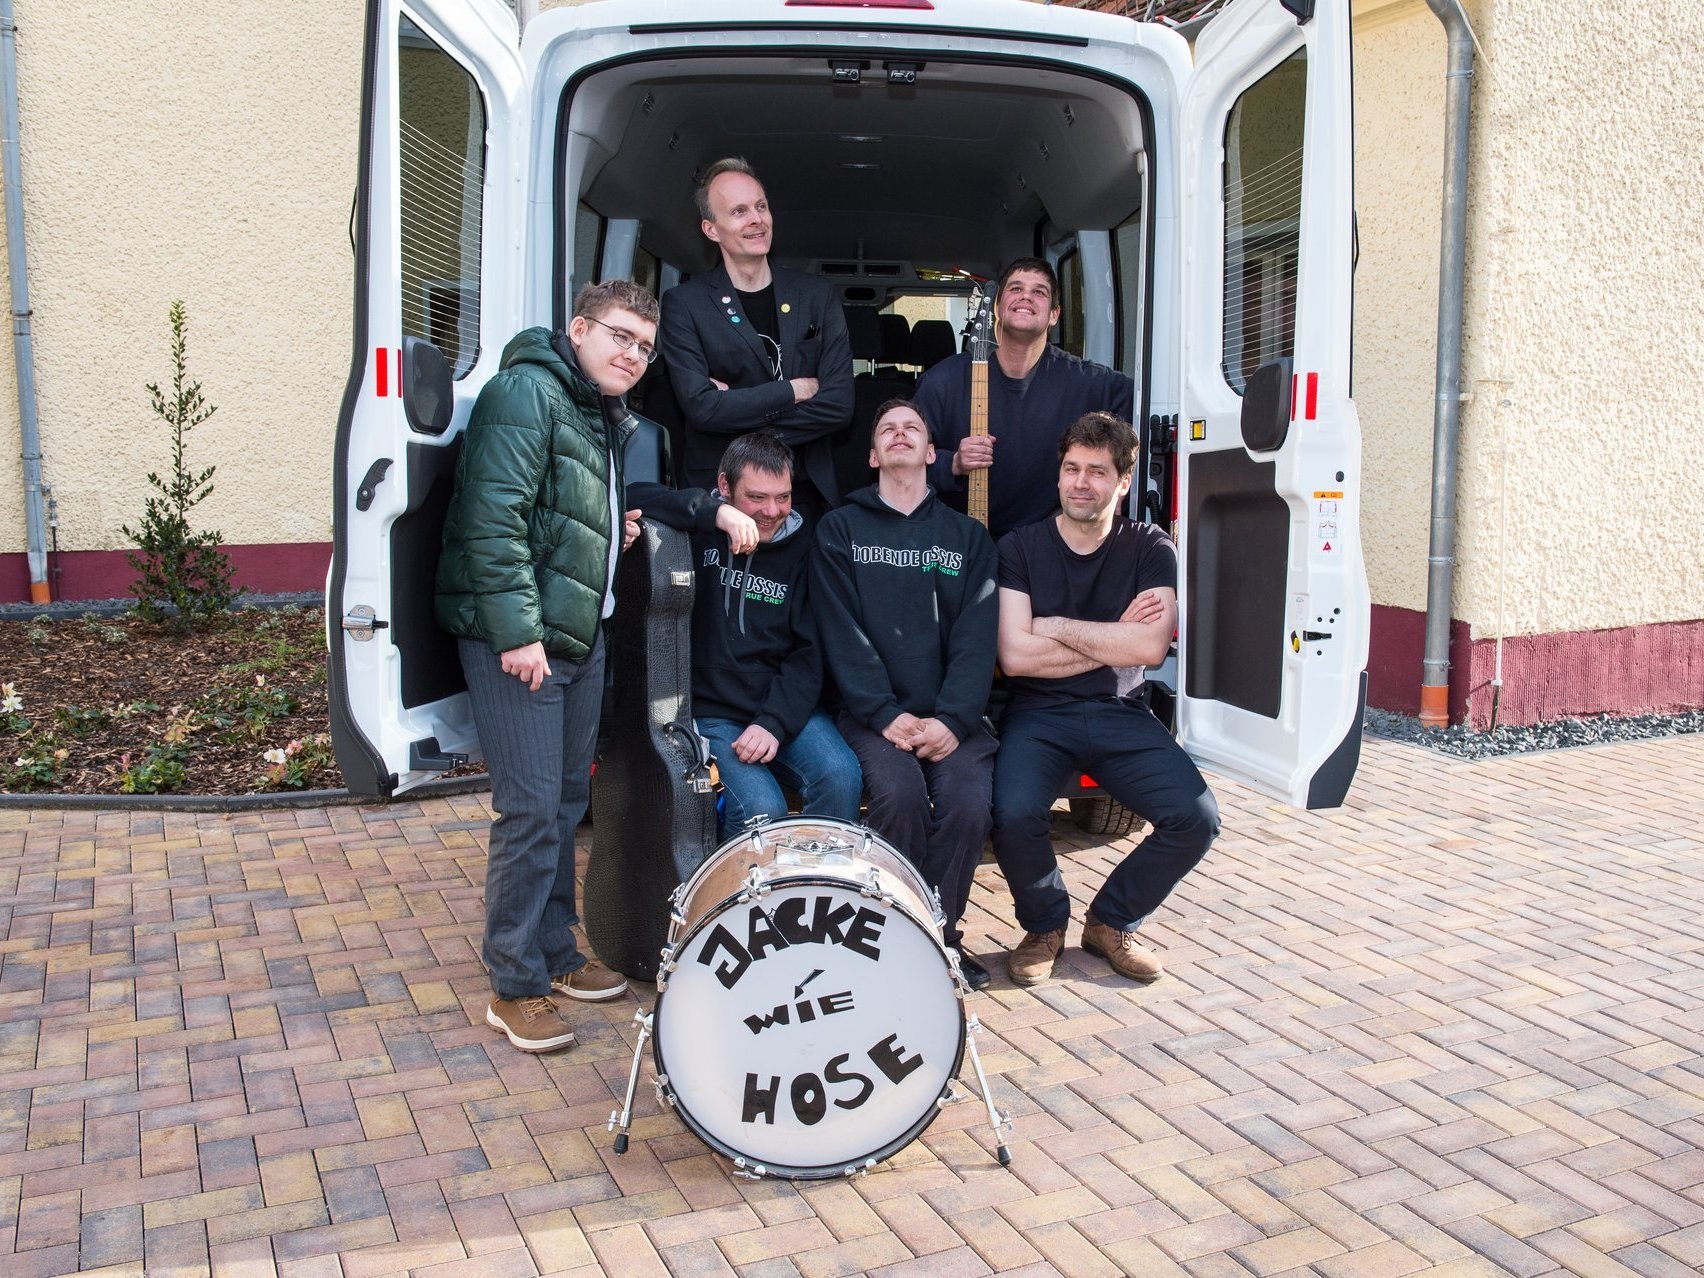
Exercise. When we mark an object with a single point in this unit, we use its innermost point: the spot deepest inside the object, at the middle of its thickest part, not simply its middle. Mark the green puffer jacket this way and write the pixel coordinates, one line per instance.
(528, 535)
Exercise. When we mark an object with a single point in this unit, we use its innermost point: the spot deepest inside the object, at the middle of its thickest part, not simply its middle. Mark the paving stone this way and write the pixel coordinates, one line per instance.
(1437, 1030)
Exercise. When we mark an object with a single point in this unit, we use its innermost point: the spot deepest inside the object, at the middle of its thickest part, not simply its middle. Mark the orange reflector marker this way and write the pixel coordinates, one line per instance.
(1088, 782)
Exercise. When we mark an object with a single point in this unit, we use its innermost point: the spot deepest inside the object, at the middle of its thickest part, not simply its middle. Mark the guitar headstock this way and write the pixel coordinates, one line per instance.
(980, 329)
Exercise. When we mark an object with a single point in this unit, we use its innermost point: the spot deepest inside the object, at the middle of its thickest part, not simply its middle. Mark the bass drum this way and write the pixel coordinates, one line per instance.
(808, 1022)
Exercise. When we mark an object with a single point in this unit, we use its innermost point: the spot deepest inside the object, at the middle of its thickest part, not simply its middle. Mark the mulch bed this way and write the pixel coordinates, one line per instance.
(178, 714)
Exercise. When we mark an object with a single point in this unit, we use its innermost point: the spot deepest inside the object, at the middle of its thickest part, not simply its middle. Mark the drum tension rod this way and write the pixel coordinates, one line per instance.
(622, 1119)
(996, 1119)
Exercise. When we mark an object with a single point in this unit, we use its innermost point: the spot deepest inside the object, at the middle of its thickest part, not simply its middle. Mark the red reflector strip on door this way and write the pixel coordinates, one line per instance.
(1088, 782)
(382, 370)
(1309, 411)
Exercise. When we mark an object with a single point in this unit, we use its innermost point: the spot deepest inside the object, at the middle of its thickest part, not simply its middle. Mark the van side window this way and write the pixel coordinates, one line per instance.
(442, 149)
(1129, 246)
(1071, 321)
(588, 248)
(1263, 205)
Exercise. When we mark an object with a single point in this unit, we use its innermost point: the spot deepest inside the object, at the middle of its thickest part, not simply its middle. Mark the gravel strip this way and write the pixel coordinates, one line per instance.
(1561, 735)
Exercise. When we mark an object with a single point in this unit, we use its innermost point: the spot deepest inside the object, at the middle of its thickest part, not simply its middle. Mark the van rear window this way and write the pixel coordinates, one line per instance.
(1263, 208)
(441, 150)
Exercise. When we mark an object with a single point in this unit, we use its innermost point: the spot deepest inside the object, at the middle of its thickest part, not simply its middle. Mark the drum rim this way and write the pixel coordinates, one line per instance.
(730, 843)
(821, 1171)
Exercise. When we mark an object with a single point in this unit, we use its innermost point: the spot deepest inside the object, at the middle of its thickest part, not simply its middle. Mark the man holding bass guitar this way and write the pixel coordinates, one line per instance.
(1034, 390)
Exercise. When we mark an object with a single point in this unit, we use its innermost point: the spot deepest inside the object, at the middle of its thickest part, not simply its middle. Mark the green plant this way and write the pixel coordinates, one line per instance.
(105, 631)
(39, 636)
(37, 767)
(183, 577)
(160, 771)
(80, 722)
(130, 709)
(298, 763)
(245, 711)
(12, 716)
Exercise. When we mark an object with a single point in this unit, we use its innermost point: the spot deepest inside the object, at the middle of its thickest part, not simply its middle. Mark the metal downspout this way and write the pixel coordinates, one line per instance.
(1446, 424)
(22, 344)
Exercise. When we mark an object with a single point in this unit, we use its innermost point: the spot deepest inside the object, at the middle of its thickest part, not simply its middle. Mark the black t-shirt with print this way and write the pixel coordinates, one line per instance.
(1093, 587)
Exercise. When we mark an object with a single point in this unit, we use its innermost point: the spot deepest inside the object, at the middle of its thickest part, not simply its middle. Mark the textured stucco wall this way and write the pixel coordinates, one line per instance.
(1585, 334)
(200, 153)
(1399, 131)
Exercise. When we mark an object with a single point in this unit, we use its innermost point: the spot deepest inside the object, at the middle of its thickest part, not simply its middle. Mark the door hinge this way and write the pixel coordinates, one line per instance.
(361, 621)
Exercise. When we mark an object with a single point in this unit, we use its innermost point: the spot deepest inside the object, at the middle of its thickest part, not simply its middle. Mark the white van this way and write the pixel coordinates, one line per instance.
(1197, 199)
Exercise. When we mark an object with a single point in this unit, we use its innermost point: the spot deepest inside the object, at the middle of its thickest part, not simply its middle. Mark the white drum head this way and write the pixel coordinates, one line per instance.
(810, 1030)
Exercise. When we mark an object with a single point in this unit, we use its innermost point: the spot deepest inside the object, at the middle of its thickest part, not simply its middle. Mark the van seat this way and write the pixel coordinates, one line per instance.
(932, 340)
(864, 332)
(896, 339)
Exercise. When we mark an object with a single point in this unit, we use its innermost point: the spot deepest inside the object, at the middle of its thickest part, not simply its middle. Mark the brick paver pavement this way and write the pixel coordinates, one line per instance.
(1453, 1028)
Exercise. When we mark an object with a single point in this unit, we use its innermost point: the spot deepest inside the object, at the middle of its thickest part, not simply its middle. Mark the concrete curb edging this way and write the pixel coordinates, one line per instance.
(241, 802)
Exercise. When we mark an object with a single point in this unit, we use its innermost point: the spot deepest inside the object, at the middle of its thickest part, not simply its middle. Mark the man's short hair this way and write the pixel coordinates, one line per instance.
(1106, 431)
(1039, 266)
(701, 188)
(597, 300)
(760, 450)
(887, 406)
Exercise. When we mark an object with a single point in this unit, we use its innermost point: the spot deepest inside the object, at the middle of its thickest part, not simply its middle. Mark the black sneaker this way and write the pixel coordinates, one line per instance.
(975, 975)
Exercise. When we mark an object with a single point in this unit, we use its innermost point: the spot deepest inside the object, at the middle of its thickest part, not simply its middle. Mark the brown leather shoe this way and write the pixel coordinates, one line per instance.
(591, 983)
(532, 1024)
(1032, 961)
(1120, 948)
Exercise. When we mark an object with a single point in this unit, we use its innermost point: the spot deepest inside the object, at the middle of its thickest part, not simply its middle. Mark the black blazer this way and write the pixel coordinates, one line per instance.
(700, 339)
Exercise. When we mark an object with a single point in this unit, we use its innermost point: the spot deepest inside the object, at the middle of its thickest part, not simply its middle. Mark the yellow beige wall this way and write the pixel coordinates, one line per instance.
(193, 152)
(1585, 319)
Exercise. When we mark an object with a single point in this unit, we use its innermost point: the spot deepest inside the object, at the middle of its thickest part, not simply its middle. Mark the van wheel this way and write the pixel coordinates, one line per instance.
(1099, 815)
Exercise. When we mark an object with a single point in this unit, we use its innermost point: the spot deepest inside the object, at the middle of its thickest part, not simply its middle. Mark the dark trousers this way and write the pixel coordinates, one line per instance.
(1136, 761)
(936, 814)
(538, 747)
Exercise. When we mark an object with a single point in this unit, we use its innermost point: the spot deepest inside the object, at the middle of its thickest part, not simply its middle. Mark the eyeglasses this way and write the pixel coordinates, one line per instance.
(627, 342)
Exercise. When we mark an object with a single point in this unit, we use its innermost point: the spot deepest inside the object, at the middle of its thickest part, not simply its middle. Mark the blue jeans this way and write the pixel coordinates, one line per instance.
(1136, 761)
(538, 747)
(816, 763)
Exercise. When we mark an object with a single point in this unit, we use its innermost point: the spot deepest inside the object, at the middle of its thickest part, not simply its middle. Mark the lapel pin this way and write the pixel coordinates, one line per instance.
(786, 308)
(726, 300)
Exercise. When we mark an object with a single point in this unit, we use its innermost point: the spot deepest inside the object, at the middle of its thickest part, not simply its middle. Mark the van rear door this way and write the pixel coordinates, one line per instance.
(439, 270)
(1273, 642)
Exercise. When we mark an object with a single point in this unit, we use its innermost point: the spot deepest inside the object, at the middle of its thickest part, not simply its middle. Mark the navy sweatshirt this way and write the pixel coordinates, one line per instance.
(755, 656)
(906, 608)
(1026, 416)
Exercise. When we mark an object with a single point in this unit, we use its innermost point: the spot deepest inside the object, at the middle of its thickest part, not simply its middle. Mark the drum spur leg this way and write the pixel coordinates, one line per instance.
(620, 1120)
(996, 1119)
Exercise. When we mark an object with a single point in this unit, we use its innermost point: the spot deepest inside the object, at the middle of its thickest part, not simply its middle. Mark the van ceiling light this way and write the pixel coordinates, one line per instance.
(847, 72)
(858, 164)
(862, 137)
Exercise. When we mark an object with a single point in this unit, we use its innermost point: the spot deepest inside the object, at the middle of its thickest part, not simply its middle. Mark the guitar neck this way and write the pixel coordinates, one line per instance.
(976, 501)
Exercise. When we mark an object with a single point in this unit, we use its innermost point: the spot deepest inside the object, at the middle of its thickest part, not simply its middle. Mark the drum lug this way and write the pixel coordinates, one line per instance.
(872, 887)
(755, 886)
(665, 1094)
(749, 1171)
(666, 966)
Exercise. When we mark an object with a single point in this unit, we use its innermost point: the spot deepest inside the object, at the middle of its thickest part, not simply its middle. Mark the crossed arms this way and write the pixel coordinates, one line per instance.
(1057, 647)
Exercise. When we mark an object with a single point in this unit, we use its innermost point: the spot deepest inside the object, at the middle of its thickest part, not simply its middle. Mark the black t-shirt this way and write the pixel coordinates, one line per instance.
(759, 308)
(1093, 587)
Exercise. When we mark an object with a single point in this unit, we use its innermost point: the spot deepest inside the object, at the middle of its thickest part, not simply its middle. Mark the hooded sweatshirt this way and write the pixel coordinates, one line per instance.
(907, 610)
(755, 656)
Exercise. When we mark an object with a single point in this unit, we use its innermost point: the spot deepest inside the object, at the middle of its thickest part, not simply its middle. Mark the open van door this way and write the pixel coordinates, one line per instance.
(1273, 642)
(439, 272)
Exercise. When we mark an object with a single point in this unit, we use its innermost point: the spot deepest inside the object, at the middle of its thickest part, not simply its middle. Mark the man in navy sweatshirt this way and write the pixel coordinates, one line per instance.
(1034, 392)
(756, 660)
(903, 589)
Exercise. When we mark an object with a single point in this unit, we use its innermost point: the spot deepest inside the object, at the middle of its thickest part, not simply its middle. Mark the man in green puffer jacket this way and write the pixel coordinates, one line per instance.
(526, 578)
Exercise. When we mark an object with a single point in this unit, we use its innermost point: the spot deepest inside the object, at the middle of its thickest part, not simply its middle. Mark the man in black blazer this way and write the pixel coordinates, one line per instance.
(749, 346)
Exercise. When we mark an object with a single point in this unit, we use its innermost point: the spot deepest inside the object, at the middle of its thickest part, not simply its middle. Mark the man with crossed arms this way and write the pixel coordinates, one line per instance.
(1088, 598)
